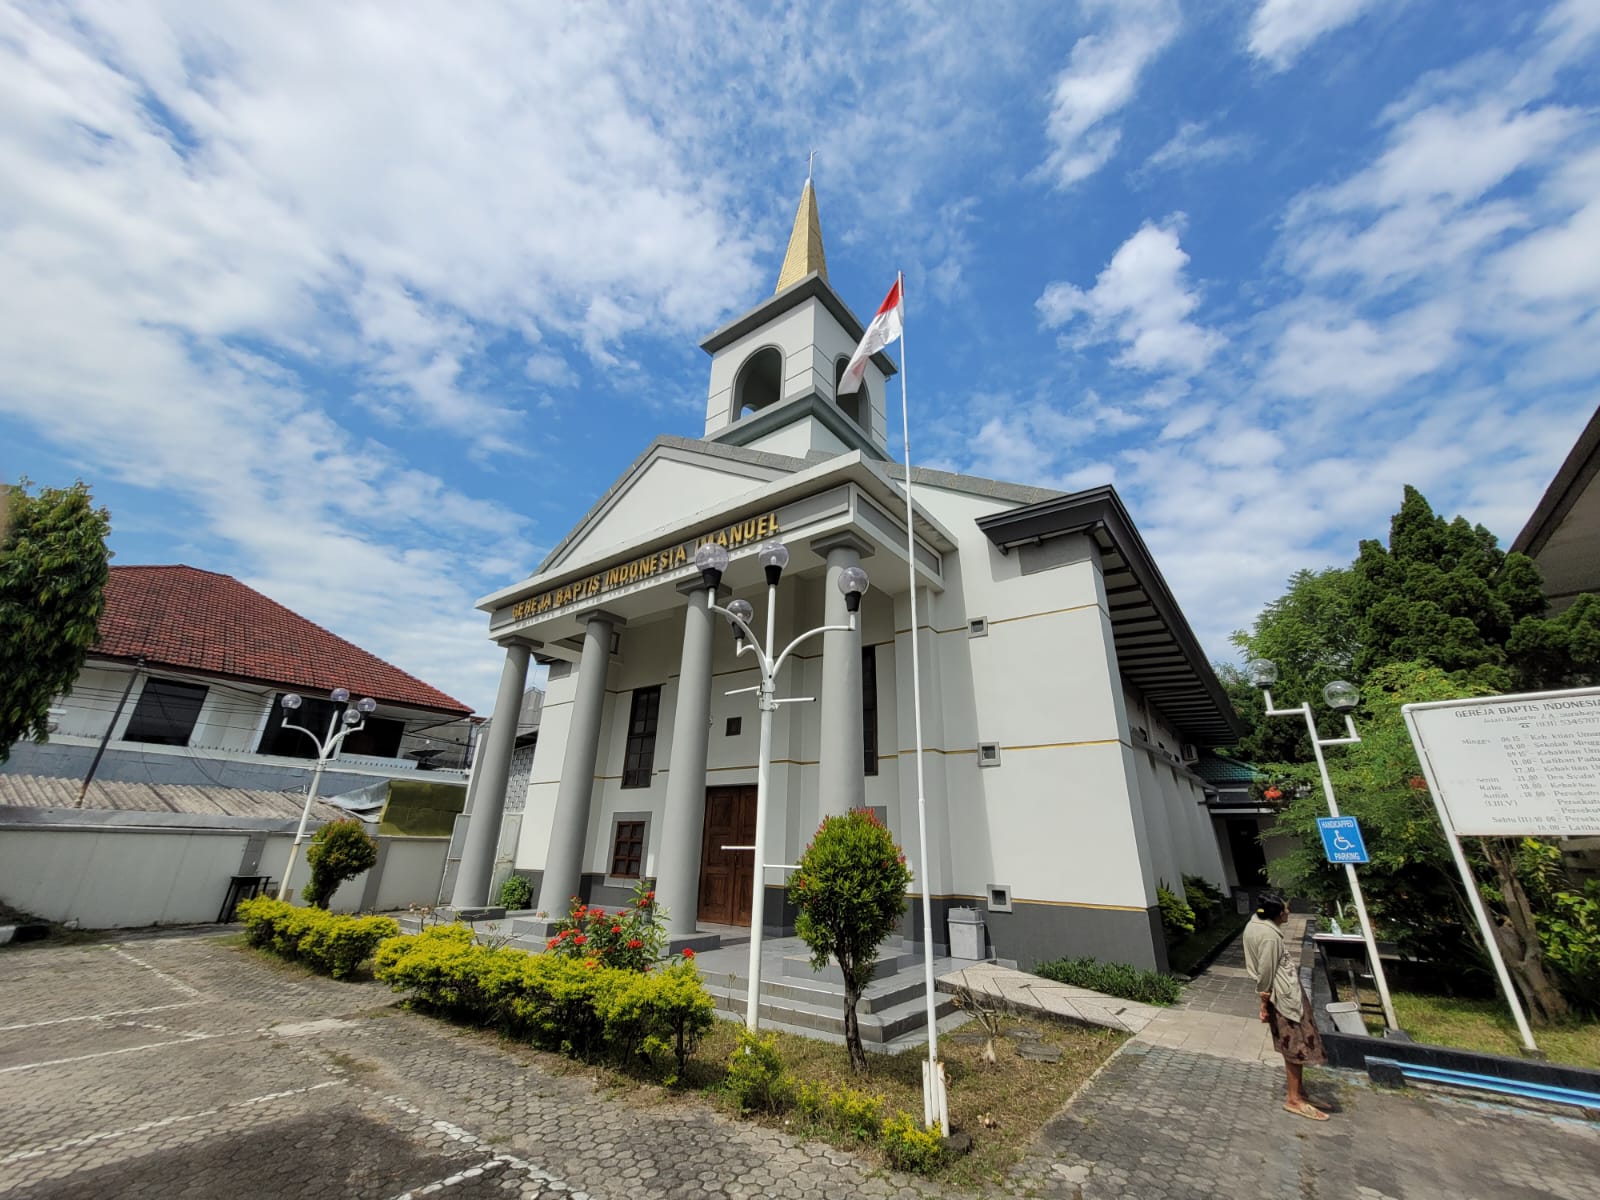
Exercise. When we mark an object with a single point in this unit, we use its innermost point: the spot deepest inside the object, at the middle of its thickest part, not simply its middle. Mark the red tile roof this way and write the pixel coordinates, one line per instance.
(201, 621)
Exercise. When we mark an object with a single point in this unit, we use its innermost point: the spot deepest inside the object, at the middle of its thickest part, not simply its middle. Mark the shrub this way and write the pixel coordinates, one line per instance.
(1177, 918)
(850, 890)
(340, 850)
(756, 1079)
(1204, 897)
(910, 1147)
(577, 1006)
(326, 942)
(516, 892)
(1113, 979)
(630, 937)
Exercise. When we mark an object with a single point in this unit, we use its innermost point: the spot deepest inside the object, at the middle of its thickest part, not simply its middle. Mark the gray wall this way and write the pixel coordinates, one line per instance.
(60, 867)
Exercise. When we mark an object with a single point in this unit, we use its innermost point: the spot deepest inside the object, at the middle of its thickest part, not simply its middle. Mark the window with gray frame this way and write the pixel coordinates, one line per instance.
(639, 758)
(627, 850)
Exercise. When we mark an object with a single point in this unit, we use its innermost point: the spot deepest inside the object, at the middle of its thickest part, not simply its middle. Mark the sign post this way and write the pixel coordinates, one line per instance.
(1510, 766)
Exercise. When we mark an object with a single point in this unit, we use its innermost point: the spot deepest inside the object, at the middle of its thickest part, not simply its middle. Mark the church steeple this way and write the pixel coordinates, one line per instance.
(805, 242)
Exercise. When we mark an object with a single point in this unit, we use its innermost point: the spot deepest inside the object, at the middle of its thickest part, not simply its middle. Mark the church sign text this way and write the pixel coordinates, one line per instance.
(667, 558)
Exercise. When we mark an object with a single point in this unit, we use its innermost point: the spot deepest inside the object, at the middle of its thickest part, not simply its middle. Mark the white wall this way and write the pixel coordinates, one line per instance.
(120, 878)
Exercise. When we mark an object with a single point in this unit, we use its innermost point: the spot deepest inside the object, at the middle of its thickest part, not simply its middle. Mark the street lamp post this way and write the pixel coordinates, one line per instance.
(1342, 697)
(712, 560)
(327, 746)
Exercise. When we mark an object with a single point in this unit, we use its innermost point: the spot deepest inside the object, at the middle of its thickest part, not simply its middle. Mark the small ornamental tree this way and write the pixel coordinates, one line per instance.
(340, 850)
(53, 571)
(850, 890)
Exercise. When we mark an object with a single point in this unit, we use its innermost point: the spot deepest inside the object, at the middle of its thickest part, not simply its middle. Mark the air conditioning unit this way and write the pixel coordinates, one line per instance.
(1190, 752)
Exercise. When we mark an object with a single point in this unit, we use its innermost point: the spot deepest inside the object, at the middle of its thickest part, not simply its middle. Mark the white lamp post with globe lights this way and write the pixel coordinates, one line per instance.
(712, 560)
(327, 746)
(1342, 697)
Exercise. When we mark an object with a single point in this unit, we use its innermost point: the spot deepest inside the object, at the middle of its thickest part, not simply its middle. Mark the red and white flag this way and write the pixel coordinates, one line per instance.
(886, 327)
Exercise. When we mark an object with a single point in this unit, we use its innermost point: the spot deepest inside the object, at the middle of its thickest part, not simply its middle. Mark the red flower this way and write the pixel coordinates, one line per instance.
(616, 929)
(687, 953)
(579, 940)
(1273, 793)
(635, 944)
(552, 943)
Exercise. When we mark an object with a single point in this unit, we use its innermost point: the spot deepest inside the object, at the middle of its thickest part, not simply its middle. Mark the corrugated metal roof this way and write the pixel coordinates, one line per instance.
(1214, 768)
(44, 791)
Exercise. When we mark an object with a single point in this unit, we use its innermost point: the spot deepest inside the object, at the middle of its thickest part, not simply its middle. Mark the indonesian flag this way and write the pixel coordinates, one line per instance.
(885, 328)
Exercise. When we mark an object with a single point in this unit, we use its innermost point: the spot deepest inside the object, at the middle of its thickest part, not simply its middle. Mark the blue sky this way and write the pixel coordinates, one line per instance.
(365, 304)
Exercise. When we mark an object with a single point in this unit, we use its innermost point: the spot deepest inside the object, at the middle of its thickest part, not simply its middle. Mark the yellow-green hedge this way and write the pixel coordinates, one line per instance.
(328, 943)
(572, 1005)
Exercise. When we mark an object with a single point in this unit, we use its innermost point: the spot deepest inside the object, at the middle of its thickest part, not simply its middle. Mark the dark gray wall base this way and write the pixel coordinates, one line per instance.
(1034, 933)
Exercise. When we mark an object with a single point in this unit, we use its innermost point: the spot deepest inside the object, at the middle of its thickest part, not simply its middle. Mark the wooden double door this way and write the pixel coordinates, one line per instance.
(727, 877)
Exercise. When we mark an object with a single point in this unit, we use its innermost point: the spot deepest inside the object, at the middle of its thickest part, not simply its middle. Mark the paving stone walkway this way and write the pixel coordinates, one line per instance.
(179, 1067)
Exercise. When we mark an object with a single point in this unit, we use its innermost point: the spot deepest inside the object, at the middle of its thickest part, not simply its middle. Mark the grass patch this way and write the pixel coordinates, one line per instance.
(1187, 955)
(1486, 1026)
(1003, 1106)
(1113, 979)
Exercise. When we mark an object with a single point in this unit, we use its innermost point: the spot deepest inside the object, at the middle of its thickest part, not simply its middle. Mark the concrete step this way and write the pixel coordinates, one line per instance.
(824, 1013)
(890, 961)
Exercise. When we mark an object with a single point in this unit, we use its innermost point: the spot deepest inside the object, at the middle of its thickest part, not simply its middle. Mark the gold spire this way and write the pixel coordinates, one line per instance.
(805, 243)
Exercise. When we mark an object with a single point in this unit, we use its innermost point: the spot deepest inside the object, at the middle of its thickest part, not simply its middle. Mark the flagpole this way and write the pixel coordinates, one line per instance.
(935, 1105)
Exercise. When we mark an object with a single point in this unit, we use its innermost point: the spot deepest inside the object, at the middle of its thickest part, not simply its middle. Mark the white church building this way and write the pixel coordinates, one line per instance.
(1064, 695)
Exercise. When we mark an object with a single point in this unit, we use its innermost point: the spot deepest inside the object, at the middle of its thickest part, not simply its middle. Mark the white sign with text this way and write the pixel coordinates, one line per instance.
(1514, 766)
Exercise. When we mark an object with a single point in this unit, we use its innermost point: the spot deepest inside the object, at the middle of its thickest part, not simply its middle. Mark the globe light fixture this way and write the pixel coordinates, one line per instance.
(774, 557)
(853, 582)
(741, 614)
(711, 560)
(1262, 672)
(352, 719)
(1341, 696)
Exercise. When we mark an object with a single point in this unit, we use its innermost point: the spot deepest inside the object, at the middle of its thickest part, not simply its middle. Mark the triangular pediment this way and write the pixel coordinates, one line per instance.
(672, 479)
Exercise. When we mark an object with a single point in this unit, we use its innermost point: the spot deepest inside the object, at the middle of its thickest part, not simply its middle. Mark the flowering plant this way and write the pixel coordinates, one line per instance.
(626, 937)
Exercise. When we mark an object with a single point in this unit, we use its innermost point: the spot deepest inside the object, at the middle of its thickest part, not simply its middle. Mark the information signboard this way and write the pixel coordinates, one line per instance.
(1514, 766)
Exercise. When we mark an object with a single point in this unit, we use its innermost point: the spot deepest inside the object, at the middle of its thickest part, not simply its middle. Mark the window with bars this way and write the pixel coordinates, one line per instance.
(869, 710)
(166, 713)
(627, 850)
(639, 758)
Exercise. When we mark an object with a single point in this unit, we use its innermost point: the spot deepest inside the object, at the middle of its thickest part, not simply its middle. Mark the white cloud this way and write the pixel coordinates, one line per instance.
(1339, 355)
(1101, 77)
(1191, 146)
(1281, 30)
(1143, 302)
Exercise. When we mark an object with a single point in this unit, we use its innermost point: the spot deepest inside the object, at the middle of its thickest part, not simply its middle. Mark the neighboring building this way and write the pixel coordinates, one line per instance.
(1242, 819)
(1064, 694)
(187, 675)
(1563, 534)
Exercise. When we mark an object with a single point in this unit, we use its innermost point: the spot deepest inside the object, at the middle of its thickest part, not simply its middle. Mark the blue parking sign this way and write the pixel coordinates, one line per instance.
(1341, 839)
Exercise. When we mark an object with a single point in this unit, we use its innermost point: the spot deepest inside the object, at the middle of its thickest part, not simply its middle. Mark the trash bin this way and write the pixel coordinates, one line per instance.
(1346, 1016)
(966, 933)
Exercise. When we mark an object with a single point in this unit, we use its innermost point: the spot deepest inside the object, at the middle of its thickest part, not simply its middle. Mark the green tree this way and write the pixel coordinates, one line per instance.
(340, 850)
(850, 890)
(53, 571)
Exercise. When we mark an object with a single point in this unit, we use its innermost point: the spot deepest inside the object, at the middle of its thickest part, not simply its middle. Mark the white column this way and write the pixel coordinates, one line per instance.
(841, 780)
(489, 779)
(678, 865)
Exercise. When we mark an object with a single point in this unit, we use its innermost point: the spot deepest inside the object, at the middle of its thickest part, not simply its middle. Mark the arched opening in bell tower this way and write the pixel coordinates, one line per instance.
(759, 383)
(856, 405)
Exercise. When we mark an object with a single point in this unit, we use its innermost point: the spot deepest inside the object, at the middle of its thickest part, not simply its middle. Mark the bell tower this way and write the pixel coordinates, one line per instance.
(774, 370)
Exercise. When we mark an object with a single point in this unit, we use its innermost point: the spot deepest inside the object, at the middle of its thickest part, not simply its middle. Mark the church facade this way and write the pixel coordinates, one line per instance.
(1063, 692)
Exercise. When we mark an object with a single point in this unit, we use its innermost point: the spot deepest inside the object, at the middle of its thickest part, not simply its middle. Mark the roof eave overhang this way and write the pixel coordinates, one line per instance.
(1576, 473)
(1155, 647)
(812, 287)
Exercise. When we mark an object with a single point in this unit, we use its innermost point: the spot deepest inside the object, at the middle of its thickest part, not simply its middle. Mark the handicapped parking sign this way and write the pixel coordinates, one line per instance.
(1341, 838)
